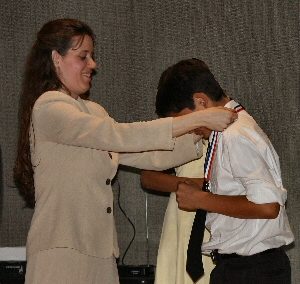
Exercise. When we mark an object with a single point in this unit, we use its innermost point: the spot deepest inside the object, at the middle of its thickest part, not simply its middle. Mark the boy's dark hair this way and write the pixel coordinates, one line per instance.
(179, 83)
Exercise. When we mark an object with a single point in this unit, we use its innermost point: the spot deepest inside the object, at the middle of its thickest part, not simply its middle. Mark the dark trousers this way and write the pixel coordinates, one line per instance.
(264, 268)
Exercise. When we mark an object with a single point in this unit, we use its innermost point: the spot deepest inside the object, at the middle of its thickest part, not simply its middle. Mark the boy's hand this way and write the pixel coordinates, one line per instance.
(188, 194)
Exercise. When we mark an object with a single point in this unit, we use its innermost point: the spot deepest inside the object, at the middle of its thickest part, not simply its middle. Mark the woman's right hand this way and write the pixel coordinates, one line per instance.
(217, 118)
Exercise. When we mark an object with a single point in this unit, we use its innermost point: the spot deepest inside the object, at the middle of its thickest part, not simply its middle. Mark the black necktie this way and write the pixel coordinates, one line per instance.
(194, 264)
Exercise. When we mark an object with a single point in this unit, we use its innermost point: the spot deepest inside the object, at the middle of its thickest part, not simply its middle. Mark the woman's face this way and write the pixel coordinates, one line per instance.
(75, 68)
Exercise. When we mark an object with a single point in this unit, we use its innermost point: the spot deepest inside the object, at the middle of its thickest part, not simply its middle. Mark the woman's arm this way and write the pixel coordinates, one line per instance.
(214, 118)
(59, 118)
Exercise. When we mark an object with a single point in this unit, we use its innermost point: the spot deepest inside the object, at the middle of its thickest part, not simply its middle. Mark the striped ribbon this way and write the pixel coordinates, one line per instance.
(211, 150)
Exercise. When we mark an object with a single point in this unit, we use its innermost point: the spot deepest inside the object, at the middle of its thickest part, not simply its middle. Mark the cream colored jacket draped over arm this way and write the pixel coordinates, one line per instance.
(75, 149)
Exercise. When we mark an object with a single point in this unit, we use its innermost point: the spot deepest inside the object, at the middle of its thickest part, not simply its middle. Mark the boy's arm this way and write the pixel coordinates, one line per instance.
(190, 198)
(163, 181)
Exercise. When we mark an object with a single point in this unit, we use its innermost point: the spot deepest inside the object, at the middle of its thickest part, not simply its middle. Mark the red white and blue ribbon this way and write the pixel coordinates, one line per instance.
(239, 108)
(211, 150)
(210, 154)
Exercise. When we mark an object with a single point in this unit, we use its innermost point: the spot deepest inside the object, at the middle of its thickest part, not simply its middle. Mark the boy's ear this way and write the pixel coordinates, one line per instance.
(200, 100)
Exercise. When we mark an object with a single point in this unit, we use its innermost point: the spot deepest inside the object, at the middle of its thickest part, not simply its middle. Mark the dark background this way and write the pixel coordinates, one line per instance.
(251, 46)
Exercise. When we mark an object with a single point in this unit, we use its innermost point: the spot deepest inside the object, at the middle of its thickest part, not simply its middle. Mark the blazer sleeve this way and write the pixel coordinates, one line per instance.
(59, 118)
(184, 151)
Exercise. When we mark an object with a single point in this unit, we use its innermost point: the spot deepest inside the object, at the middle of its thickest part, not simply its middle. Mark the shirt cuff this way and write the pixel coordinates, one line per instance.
(198, 151)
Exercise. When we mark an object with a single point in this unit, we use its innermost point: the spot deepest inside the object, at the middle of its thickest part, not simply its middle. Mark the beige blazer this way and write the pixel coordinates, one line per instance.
(76, 149)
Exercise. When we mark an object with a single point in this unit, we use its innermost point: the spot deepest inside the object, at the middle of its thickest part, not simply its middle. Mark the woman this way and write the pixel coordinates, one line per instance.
(68, 154)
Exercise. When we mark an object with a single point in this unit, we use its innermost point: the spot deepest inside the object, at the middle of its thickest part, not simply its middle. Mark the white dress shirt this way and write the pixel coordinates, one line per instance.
(246, 163)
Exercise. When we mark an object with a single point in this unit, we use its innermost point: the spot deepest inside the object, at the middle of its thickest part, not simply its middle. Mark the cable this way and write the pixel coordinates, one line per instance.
(119, 194)
(147, 231)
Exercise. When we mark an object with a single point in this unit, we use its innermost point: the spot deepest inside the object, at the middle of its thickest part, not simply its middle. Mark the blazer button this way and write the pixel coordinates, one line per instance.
(108, 210)
(108, 181)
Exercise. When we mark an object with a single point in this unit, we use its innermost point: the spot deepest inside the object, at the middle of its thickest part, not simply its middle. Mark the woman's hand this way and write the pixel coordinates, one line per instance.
(217, 118)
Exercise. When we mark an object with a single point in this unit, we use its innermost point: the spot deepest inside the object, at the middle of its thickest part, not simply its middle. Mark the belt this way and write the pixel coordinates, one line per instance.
(217, 257)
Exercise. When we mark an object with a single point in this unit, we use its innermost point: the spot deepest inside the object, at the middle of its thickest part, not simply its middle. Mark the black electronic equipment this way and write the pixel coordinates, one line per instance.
(139, 280)
(12, 272)
(136, 274)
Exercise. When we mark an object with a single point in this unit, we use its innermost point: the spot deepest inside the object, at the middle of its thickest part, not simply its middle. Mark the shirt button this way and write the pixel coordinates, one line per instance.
(108, 181)
(108, 210)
